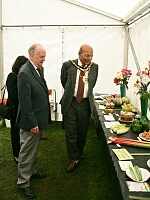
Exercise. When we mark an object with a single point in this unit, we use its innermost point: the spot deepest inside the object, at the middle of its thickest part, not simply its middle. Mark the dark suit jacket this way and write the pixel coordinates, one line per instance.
(34, 108)
(68, 79)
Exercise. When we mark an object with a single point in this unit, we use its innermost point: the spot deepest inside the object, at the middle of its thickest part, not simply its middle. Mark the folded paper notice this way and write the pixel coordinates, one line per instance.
(109, 124)
(109, 118)
(137, 187)
(124, 164)
(122, 154)
(101, 107)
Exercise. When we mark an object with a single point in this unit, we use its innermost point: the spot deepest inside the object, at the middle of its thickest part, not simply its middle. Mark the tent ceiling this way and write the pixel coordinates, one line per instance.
(122, 9)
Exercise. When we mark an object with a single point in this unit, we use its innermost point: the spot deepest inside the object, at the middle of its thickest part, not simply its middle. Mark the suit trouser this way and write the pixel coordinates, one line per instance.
(76, 124)
(29, 143)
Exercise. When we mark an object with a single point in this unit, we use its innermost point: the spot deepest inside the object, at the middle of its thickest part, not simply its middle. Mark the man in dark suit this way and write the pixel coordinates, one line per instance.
(77, 110)
(32, 118)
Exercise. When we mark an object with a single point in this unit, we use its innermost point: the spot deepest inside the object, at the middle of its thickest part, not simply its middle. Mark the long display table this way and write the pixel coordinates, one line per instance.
(118, 177)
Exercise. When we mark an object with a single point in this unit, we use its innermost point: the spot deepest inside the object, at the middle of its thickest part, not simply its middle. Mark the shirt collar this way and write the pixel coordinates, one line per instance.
(80, 64)
(33, 65)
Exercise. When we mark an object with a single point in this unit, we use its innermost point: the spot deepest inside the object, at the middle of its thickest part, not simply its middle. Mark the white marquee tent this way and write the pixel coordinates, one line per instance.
(117, 30)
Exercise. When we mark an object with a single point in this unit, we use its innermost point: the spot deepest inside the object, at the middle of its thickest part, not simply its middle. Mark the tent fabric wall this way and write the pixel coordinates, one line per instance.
(63, 44)
(139, 33)
(50, 12)
(62, 27)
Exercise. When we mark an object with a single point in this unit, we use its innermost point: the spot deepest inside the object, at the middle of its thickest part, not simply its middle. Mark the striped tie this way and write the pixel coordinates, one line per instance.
(80, 91)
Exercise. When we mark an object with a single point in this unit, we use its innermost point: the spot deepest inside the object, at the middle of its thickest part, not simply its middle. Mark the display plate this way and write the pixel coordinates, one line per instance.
(125, 121)
(103, 112)
(140, 135)
(145, 174)
(148, 163)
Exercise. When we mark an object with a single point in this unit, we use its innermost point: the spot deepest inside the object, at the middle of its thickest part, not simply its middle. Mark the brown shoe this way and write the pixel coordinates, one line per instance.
(44, 137)
(73, 166)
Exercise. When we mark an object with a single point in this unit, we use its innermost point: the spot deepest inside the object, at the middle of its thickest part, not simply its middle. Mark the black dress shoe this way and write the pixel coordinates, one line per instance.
(74, 164)
(39, 175)
(28, 192)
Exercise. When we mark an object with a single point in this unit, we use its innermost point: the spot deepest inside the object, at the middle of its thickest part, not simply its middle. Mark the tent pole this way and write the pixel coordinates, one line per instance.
(1, 51)
(133, 51)
(126, 46)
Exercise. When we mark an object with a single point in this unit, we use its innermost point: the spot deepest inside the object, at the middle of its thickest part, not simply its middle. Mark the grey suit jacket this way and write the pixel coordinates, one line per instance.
(34, 109)
(68, 79)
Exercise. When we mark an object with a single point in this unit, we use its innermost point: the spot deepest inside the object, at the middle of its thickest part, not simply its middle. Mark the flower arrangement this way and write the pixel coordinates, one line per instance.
(123, 77)
(142, 83)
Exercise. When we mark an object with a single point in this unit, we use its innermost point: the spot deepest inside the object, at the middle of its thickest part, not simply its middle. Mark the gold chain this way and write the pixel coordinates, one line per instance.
(80, 68)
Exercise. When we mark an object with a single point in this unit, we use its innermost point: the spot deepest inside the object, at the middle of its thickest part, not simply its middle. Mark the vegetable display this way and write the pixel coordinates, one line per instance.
(138, 126)
(117, 101)
(125, 100)
(127, 107)
(129, 142)
(136, 173)
(119, 128)
(146, 135)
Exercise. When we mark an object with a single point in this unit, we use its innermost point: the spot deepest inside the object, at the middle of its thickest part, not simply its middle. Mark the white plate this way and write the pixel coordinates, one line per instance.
(103, 113)
(148, 163)
(145, 174)
(107, 113)
(108, 96)
(125, 121)
(140, 135)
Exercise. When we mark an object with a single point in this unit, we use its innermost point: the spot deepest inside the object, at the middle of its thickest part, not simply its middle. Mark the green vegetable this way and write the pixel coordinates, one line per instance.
(138, 173)
(125, 100)
(145, 124)
(123, 130)
(141, 125)
(132, 173)
(102, 102)
(119, 128)
(136, 121)
(136, 127)
(117, 101)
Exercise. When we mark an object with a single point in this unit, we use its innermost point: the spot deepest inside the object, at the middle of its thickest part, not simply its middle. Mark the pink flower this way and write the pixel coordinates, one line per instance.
(143, 83)
(123, 77)
(145, 79)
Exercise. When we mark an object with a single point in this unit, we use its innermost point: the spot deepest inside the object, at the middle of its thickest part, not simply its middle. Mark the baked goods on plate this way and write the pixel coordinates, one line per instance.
(126, 116)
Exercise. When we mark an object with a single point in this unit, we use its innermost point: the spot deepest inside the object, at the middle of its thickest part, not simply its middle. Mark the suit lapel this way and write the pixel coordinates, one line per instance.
(74, 72)
(35, 74)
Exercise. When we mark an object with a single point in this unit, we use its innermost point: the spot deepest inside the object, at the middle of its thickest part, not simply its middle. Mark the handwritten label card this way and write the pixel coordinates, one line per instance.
(122, 154)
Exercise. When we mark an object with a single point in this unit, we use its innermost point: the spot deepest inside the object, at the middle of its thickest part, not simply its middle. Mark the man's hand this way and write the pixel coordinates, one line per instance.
(34, 130)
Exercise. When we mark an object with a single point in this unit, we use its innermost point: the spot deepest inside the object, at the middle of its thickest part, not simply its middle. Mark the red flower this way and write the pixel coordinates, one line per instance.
(138, 73)
(115, 80)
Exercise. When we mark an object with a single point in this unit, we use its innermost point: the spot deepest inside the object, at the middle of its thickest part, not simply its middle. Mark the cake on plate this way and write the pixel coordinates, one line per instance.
(126, 116)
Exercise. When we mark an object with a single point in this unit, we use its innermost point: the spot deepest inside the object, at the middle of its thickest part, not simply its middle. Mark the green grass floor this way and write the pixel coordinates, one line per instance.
(90, 181)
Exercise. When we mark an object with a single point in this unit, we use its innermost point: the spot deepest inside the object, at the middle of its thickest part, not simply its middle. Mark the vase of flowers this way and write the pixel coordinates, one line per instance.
(122, 79)
(122, 91)
(144, 107)
(142, 84)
